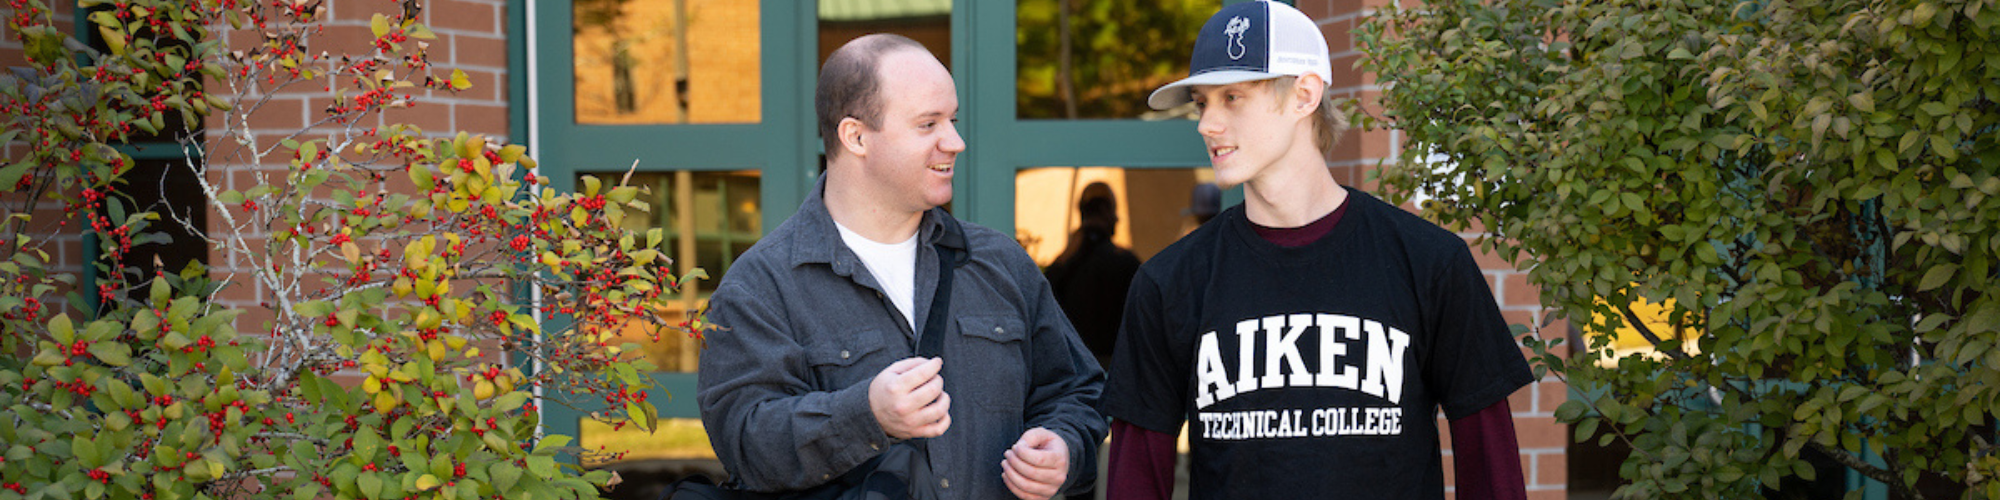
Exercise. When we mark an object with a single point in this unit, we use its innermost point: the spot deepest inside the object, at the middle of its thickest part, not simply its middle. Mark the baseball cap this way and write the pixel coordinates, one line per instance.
(1250, 41)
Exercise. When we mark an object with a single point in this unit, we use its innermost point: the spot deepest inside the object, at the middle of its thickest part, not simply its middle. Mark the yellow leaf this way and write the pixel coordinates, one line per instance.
(384, 402)
(459, 80)
(482, 390)
(379, 25)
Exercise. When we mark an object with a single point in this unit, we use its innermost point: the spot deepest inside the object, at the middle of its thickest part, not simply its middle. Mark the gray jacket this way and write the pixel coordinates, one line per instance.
(804, 328)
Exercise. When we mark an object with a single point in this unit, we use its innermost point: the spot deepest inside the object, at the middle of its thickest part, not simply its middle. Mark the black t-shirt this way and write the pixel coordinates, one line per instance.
(1314, 371)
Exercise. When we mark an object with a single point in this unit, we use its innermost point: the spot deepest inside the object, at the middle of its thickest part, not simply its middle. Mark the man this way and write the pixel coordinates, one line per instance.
(1093, 273)
(813, 372)
(1308, 336)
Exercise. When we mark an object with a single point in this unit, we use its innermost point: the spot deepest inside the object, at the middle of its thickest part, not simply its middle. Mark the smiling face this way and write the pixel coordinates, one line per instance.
(1247, 128)
(909, 159)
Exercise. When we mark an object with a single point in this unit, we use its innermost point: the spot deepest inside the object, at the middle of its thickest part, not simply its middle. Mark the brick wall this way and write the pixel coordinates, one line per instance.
(470, 37)
(1543, 441)
(65, 247)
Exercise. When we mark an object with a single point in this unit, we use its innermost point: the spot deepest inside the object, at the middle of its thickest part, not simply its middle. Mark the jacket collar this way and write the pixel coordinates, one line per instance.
(820, 241)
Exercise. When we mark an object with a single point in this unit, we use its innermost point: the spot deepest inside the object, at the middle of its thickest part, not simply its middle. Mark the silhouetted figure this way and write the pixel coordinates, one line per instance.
(1204, 202)
(1092, 274)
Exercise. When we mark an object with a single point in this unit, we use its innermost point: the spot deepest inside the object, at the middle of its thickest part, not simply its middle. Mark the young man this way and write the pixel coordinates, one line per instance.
(814, 371)
(1308, 336)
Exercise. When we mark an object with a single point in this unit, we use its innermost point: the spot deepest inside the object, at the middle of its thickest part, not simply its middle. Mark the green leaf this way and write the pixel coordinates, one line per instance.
(62, 330)
(1937, 276)
(505, 476)
(542, 466)
(313, 309)
(378, 25)
(11, 175)
(371, 486)
(551, 442)
(112, 353)
(1633, 201)
(1863, 101)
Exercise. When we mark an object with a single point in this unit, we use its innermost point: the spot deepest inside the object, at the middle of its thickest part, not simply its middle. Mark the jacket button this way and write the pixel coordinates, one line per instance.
(998, 330)
(843, 354)
(874, 446)
(944, 483)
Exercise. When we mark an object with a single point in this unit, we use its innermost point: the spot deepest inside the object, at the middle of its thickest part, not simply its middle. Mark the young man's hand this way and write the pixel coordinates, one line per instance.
(1037, 465)
(908, 399)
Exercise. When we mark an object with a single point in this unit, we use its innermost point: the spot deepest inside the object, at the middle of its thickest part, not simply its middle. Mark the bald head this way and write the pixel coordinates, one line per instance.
(850, 85)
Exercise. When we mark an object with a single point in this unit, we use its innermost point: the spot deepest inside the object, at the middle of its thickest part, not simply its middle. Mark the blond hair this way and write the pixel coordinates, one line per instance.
(1328, 122)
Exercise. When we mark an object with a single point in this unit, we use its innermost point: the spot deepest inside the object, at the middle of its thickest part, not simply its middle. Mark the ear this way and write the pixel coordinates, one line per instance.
(850, 136)
(1307, 90)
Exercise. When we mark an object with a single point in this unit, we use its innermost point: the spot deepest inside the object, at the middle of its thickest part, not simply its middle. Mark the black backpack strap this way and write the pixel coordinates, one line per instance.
(931, 343)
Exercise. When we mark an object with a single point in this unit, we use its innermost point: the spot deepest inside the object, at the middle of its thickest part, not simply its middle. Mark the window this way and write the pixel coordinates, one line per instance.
(679, 61)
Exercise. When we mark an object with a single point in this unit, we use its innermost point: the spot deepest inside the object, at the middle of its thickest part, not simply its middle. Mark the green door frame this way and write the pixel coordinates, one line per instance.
(784, 145)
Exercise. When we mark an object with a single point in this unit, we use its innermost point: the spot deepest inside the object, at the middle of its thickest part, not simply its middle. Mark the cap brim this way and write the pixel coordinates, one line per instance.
(1175, 94)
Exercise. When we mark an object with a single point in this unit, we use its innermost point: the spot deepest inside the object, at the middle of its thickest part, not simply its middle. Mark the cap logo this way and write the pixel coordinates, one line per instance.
(1237, 26)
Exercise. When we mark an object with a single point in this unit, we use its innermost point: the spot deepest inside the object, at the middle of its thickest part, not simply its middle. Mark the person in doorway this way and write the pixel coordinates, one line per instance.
(1092, 274)
(1204, 201)
(1308, 336)
(813, 373)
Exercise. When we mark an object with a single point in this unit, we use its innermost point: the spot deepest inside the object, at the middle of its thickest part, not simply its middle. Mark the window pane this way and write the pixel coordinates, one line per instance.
(1090, 227)
(1152, 206)
(709, 219)
(667, 61)
(1118, 51)
(170, 188)
(926, 21)
(648, 460)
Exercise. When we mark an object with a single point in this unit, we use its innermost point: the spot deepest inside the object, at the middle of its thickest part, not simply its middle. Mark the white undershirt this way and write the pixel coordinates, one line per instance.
(894, 266)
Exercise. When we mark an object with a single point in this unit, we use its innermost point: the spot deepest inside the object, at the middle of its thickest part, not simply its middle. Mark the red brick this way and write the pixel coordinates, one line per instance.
(481, 119)
(1348, 147)
(1344, 7)
(1548, 495)
(431, 116)
(1315, 9)
(1541, 432)
(1522, 400)
(1487, 260)
(487, 86)
(475, 50)
(356, 11)
(353, 40)
(1518, 317)
(1552, 396)
(1339, 35)
(1550, 469)
(1376, 144)
(461, 15)
(244, 292)
(1346, 74)
(279, 114)
(1519, 292)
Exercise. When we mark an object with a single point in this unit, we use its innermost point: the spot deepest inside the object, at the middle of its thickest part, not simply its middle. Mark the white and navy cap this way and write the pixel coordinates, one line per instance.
(1250, 41)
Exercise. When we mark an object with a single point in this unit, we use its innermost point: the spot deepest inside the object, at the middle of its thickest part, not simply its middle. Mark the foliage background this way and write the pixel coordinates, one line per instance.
(1805, 186)
(388, 259)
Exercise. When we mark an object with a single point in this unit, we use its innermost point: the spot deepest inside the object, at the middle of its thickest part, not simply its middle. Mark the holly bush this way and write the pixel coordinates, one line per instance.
(421, 295)
(1807, 188)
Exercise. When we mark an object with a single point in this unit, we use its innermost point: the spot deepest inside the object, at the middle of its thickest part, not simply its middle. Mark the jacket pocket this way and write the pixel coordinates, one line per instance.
(994, 369)
(839, 360)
